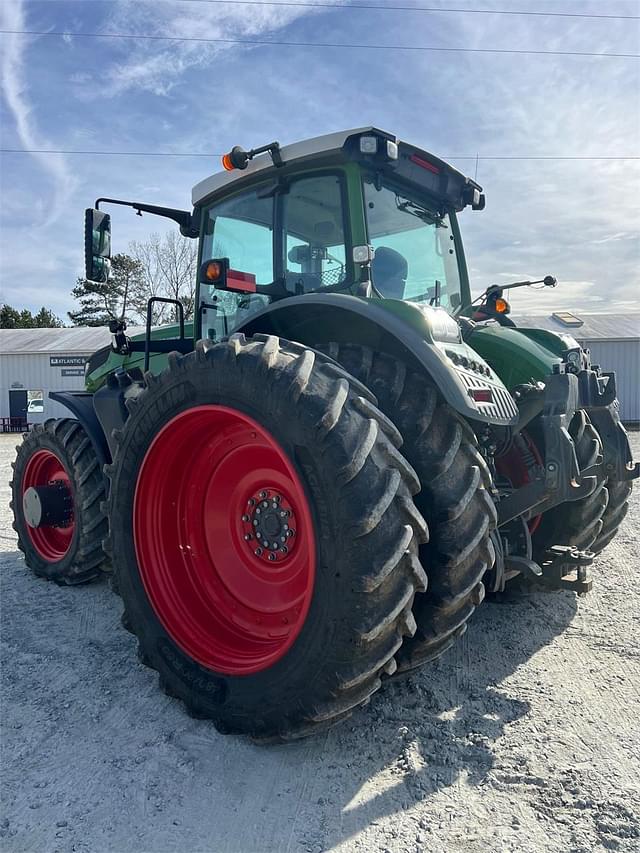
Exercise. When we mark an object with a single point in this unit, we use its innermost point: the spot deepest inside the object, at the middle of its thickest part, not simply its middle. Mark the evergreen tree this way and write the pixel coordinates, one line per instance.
(10, 318)
(101, 302)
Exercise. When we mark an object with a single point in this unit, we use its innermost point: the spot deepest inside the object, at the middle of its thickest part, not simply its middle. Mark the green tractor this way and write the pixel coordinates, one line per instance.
(309, 488)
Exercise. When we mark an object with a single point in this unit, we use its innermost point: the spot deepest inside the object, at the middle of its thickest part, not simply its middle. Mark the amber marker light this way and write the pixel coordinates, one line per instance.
(213, 271)
(501, 305)
(227, 163)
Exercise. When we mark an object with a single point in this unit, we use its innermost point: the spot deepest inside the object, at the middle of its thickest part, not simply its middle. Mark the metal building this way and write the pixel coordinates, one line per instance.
(36, 361)
(614, 341)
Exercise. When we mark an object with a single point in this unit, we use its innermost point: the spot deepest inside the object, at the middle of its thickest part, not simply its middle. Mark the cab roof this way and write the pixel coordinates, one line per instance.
(299, 151)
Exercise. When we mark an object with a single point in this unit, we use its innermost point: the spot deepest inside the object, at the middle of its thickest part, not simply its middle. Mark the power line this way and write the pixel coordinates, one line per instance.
(213, 155)
(388, 8)
(279, 43)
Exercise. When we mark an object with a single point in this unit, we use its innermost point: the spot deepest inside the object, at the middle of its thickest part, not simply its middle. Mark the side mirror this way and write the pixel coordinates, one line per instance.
(97, 245)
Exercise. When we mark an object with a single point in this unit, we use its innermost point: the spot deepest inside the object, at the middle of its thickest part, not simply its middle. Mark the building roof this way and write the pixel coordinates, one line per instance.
(77, 339)
(586, 327)
(87, 339)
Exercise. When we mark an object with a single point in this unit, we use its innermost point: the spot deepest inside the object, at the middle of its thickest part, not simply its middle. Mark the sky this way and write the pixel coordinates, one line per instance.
(575, 219)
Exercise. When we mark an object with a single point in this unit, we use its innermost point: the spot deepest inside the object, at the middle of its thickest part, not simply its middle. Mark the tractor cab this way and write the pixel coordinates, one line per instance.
(357, 213)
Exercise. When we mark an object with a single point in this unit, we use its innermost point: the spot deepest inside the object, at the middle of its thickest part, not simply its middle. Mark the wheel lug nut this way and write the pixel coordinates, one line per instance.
(257, 510)
(272, 557)
(265, 504)
(251, 502)
(285, 526)
(263, 494)
(258, 534)
(283, 538)
(284, 549)
(277, 498)
(274, 545)
(255, 522)
(258, 552)
(247, 537)
(265, 544)
(274, 505)
(245, 518)
(290, 533)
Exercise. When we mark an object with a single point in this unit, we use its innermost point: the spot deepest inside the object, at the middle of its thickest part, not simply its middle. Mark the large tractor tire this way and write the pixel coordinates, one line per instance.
(57, 489)
(264, 536)
(455, 497)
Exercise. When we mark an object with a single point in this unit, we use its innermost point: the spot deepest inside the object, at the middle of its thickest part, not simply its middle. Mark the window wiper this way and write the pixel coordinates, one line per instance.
(430, 217)
(435, 299)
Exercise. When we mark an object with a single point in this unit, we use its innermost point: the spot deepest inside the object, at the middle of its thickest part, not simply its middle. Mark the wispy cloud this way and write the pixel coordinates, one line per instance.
(15, 92)
(157, 67)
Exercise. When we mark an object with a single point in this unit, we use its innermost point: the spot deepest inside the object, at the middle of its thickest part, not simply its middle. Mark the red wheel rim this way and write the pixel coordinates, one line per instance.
(517, 469)
(230, 603)
(44, 468)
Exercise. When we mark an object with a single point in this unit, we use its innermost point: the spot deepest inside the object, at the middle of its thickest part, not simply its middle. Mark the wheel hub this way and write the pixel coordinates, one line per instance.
(269, 525)
(48, 506)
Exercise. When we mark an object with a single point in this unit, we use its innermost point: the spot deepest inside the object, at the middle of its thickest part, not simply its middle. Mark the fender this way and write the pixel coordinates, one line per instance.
(400, 330)
(80, 404)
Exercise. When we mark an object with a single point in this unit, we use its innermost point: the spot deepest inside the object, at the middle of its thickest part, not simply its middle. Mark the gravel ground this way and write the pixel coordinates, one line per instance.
(524, 737)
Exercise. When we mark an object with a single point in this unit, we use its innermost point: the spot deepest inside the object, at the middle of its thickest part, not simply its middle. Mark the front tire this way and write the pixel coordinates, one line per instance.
(274, 645)
(59, 454)
(578, 523)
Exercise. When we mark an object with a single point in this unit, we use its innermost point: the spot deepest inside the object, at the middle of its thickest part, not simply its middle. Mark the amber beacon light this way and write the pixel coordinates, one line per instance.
(237, 158)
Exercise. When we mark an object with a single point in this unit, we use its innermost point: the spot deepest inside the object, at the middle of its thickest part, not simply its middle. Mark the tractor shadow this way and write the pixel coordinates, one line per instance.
(425, 731)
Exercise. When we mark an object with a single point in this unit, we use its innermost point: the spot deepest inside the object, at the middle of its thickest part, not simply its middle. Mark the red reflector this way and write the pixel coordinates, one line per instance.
(481, 395)
(245, 281)
(424, 164)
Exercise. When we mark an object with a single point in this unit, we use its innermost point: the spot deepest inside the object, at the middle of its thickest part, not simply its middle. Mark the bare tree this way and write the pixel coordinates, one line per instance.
(169, 264)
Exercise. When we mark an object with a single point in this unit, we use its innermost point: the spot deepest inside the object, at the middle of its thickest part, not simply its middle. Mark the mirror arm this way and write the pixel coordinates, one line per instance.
(182, 217)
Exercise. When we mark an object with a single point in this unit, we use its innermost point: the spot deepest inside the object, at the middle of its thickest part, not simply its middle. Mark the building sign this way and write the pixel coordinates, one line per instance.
(17, 385)
(72, 371)
(67, 360)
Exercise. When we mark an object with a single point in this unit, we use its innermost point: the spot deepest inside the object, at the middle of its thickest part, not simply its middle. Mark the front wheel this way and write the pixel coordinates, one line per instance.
(57, 490)
(264, 536)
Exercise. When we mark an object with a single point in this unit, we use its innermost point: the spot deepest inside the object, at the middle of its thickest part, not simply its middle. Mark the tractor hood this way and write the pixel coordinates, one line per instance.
(520, 355)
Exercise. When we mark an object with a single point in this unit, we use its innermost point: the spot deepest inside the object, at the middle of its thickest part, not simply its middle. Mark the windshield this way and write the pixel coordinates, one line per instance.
(415, 256)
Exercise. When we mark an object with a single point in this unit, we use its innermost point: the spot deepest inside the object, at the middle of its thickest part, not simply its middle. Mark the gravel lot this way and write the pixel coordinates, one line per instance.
(524, 737)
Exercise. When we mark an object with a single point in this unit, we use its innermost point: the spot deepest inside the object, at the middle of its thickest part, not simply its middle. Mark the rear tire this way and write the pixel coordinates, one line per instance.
(357, 487)
(455, 497)
(61, 451)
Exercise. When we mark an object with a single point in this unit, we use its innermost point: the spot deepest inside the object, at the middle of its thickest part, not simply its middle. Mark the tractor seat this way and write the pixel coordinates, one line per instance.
(389, 269)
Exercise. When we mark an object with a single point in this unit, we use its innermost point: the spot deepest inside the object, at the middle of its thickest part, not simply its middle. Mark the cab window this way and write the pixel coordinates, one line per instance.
(241, 229)
(314, 239)
(415, 255)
